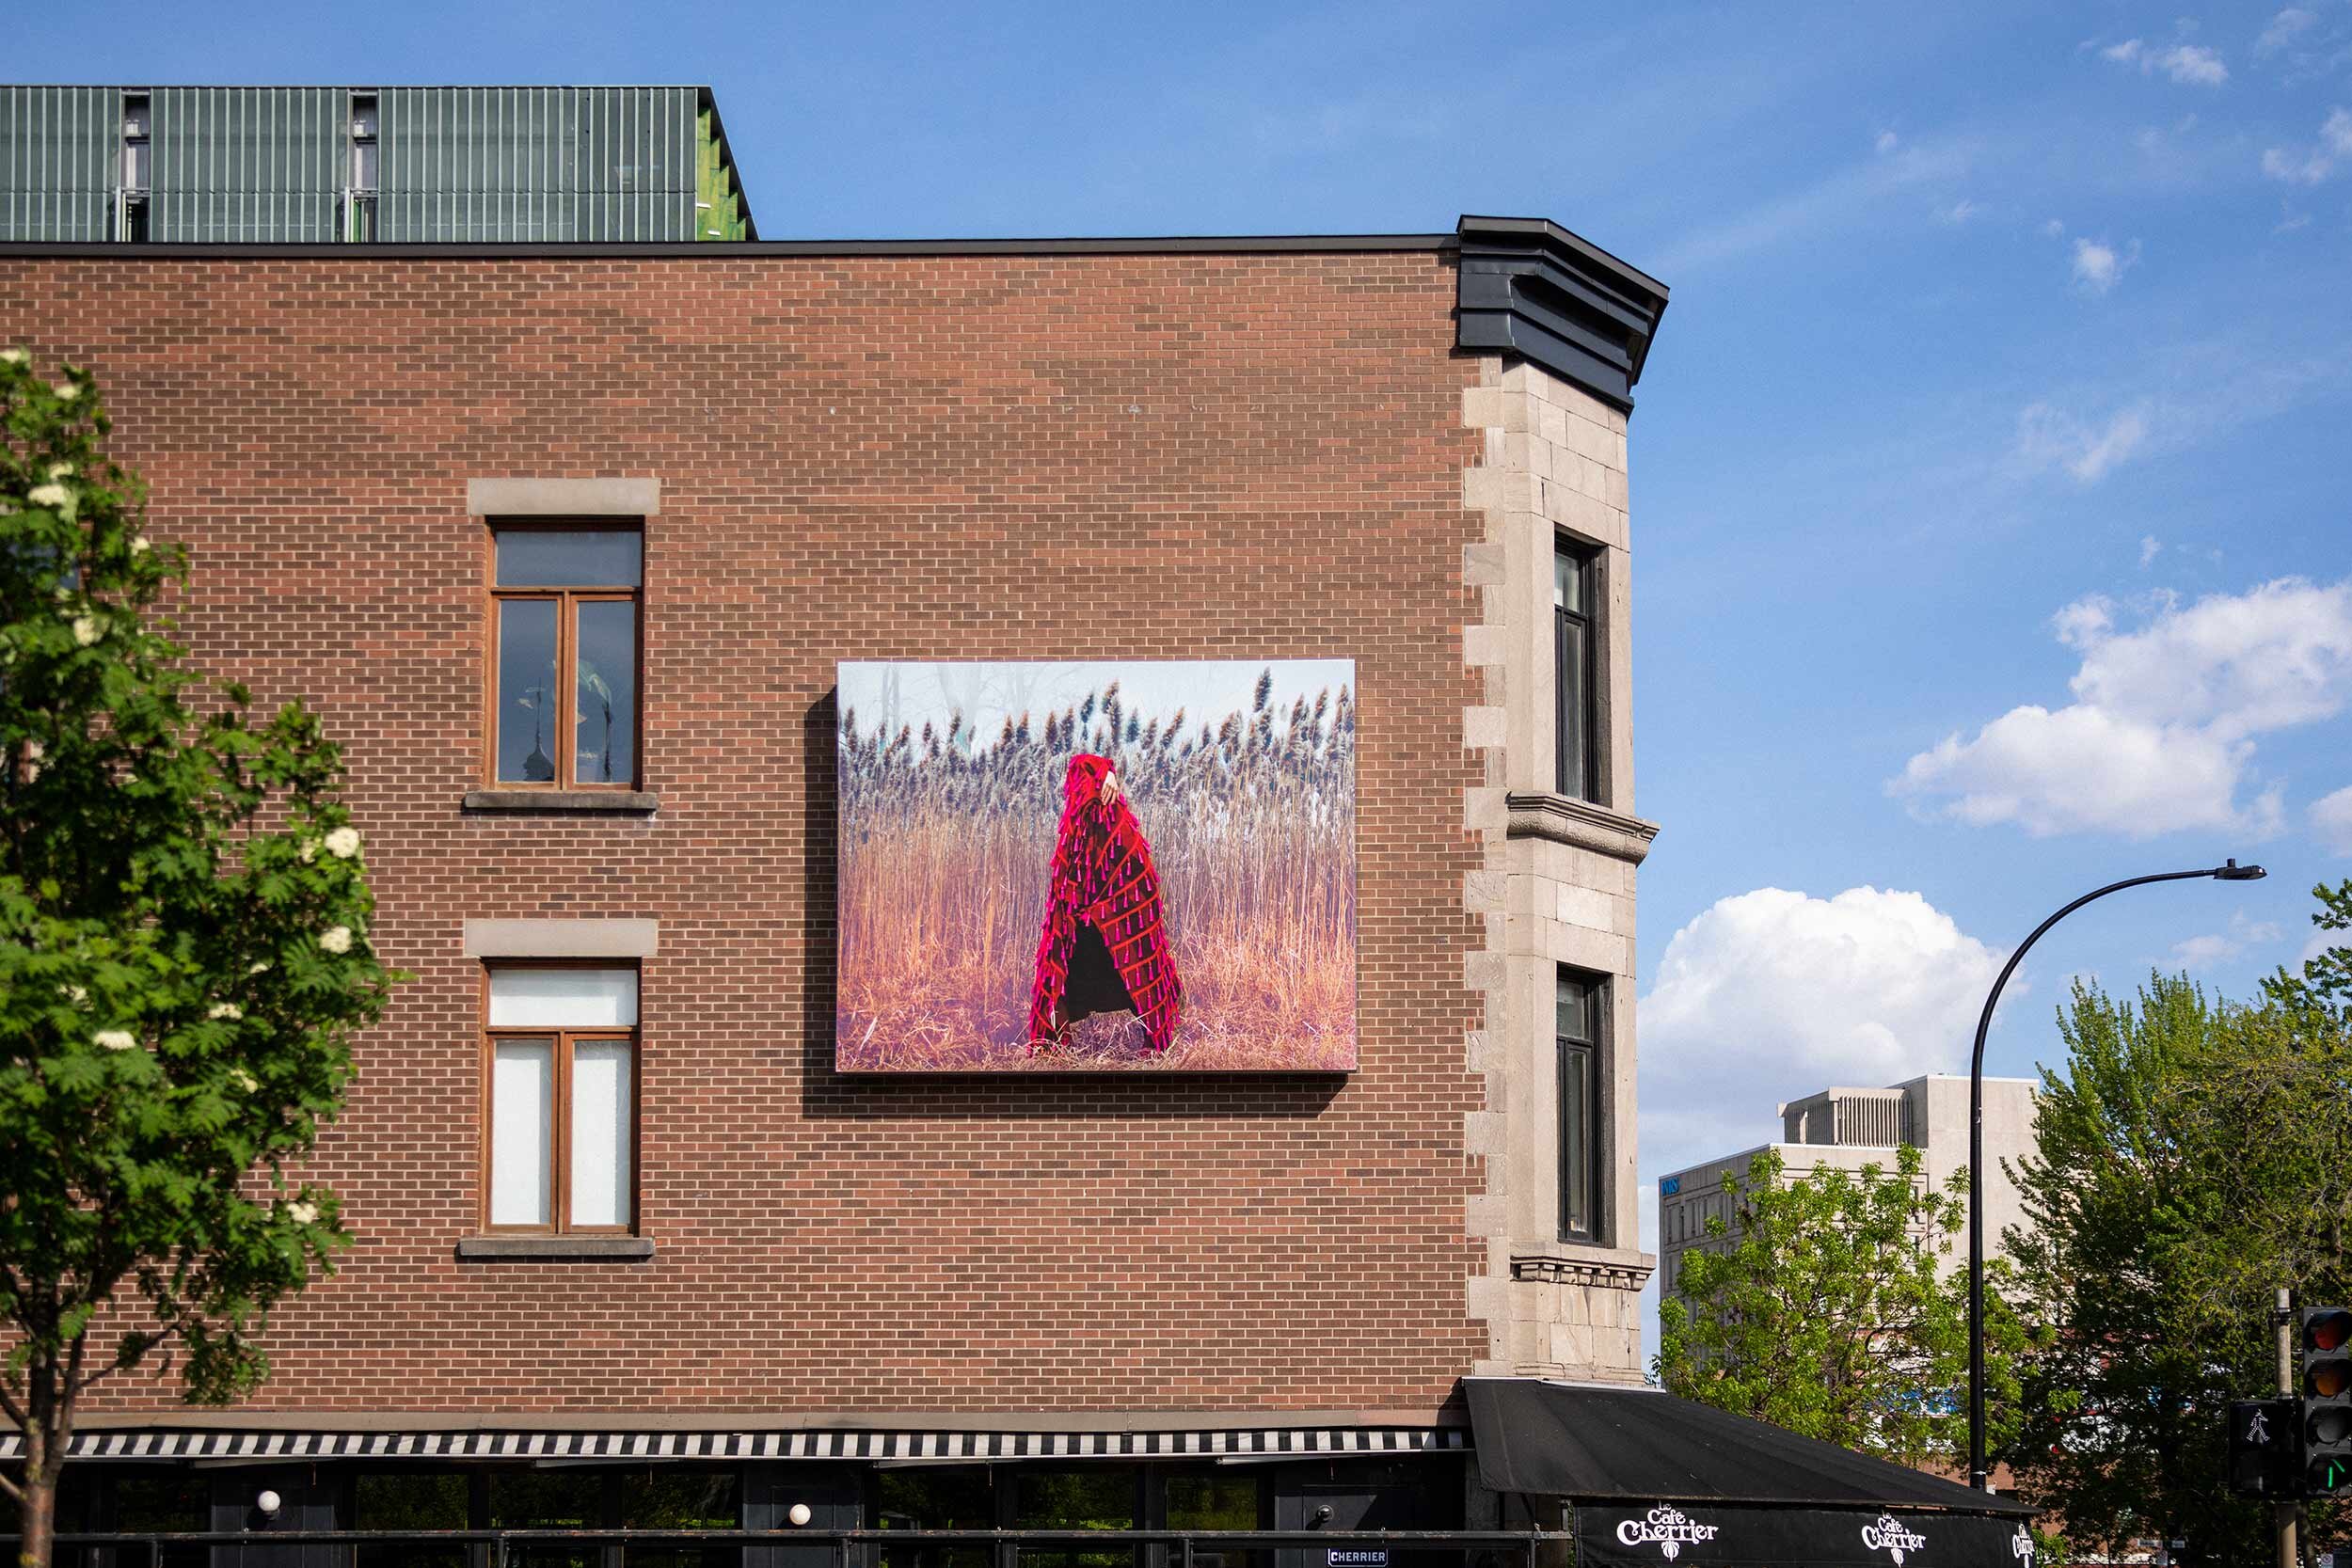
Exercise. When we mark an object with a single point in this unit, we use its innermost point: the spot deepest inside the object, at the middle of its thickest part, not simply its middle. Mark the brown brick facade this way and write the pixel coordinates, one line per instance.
(1065, 456)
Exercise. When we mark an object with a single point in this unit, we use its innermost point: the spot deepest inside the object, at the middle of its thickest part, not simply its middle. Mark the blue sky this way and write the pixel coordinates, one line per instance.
(2009, 368)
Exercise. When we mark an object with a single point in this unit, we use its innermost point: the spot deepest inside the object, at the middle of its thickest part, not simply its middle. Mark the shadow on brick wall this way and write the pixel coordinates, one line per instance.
(981, 1096)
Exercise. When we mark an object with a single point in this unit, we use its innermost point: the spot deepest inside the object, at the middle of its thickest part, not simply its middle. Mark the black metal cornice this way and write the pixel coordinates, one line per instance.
(1529, 287)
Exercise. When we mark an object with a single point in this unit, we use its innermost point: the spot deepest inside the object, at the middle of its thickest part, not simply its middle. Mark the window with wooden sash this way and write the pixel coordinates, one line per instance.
(1578, 1011)
(559, 1094)
(566, 606)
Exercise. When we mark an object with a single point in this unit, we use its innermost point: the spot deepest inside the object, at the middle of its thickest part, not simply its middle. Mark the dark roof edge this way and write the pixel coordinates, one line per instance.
(584, 251)
(1529, 288)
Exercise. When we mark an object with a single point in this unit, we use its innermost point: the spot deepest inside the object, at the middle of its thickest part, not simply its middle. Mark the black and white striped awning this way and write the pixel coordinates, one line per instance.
(625, 1445)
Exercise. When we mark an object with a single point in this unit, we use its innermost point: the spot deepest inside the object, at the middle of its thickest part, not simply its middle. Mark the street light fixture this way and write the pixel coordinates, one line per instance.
(1979, 1477)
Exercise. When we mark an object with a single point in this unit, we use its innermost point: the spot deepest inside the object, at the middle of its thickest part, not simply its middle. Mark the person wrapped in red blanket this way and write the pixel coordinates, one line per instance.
(1104, 948)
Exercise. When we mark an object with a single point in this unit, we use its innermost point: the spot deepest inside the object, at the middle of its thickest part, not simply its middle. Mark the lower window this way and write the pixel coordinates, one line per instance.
(560, 1099)
(1577, 1039)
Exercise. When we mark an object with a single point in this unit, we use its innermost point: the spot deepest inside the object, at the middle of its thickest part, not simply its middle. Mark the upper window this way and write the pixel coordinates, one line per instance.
(1578, 1029)
(565, 606)
(1575, 591)
(560, 1099)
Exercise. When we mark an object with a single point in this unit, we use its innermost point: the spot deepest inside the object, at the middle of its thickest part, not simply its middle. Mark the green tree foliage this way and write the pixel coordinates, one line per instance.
(2193, 1156)
(1828, 1314)
(184, 959)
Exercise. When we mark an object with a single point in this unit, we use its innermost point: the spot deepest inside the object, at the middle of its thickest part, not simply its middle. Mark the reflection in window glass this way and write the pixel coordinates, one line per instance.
(1098, 1498)
(587, 557)
(527, 690)
(681, 1499)
(606, 695)
(1224, 1500)
(410, 1500)
(549, 1499)
(167, 1504)
(934, 1499)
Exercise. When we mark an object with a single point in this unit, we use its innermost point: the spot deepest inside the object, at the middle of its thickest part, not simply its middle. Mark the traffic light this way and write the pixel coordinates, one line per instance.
(2265, 1461)
(2326, 1401)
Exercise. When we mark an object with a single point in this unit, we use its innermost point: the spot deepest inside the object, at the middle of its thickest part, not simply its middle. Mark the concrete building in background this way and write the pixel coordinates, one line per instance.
(351, 165)
(1847, 1129)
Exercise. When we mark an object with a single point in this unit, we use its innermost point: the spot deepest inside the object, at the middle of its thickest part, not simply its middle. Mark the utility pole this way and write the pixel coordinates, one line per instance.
(2284, 1513)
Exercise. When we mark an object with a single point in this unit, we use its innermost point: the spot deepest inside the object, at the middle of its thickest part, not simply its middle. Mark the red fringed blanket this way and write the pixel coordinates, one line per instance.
(1104, 947)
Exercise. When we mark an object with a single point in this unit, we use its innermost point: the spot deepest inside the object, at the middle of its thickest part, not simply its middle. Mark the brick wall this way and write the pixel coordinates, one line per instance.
(1238, 455)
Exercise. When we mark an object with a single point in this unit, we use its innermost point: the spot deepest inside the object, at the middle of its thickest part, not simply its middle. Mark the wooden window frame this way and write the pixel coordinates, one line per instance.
(560, 1118)
(567, 598)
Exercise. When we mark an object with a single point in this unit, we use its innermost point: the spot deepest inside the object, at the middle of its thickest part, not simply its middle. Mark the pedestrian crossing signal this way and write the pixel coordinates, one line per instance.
(2265, 1458)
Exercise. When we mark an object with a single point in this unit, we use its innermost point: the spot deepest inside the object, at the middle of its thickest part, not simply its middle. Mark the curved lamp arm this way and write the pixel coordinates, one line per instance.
(1979, 1477)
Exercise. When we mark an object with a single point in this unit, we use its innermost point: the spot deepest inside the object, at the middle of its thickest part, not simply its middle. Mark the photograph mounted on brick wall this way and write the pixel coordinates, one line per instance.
(1136, 865)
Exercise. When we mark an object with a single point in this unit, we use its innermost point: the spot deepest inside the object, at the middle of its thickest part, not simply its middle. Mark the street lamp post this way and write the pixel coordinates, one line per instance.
(1979, 1477)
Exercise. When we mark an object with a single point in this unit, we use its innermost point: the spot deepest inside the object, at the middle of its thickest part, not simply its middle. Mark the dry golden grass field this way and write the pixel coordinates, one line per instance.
(945, 846)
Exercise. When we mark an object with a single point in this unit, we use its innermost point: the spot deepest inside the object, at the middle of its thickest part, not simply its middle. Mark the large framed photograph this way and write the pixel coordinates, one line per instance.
(1118, 866)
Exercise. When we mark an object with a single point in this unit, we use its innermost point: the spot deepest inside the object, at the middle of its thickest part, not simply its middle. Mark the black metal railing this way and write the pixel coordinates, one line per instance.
(849, 1548)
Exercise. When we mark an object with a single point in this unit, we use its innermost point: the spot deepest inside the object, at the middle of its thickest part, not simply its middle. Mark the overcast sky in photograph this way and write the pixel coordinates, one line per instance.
(1989, 518)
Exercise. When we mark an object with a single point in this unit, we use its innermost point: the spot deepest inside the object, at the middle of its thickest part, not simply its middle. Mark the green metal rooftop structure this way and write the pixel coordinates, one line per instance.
(308, 166)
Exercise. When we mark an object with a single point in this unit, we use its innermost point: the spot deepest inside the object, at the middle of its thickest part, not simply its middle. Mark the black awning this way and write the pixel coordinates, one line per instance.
(1638, 1446)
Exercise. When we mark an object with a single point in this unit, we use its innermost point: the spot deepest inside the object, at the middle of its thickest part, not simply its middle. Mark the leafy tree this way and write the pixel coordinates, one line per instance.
(1829, 1313)
(2192, 1156)
(184, 959)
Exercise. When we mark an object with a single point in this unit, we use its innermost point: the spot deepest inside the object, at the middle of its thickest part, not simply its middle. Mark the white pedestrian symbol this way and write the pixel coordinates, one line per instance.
(2258, 1430)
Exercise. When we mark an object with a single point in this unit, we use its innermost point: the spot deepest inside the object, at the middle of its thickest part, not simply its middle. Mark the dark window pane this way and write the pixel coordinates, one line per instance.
(1574, 1013)
(410, 1500)
(1573, 651)
(585, 557)
(604, 716)
(550, 1499)
(681, 1499)
(1228, 1500)
(934, 1499)
(527, 690)
(1576, 1141)
(1099, 1499)
(169, 1504)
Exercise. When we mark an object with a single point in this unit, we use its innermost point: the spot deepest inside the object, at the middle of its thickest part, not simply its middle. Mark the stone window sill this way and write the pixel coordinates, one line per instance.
(623, 802)
(623, 1249)
(1572, 1264)
(1564, 819)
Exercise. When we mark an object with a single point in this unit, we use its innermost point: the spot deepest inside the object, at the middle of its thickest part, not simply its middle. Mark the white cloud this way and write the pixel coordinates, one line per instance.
(2149, 548)
(2055, 228)
(2051, 438)
(2282, 29)
(2098, 264)
(2220, 947)
(2190, 64)
(1960, 212)
(2309, 165)
(1772, 994)
(2160, 736)
(2331, 820)
(1887, 141)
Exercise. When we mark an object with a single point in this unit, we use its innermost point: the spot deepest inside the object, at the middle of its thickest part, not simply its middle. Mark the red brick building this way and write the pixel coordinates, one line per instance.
(952, 1300)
